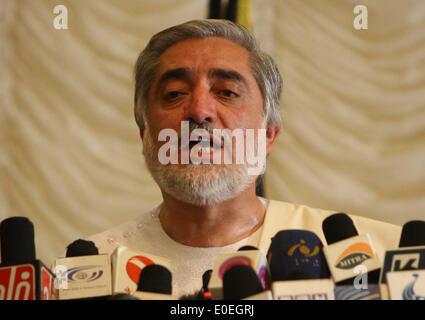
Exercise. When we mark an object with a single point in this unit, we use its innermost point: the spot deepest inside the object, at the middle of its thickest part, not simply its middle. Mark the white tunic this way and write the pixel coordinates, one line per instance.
(189, 263)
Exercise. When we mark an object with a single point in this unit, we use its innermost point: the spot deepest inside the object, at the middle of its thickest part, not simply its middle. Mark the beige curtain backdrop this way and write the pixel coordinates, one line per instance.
(353, 105)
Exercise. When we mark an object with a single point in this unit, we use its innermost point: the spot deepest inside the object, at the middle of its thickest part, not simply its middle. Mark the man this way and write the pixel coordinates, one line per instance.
(211, 75)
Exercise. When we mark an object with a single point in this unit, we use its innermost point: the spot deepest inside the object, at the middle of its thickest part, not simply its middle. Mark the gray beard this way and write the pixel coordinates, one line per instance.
(196, 184)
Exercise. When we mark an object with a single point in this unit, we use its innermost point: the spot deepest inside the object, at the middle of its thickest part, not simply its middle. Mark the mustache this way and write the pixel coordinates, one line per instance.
(194, 126)
(218, 137)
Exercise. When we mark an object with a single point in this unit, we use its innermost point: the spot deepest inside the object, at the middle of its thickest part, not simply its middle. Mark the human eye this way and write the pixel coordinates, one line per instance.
(227, 90)
(174, 91)
(172, 95)
(228, 94)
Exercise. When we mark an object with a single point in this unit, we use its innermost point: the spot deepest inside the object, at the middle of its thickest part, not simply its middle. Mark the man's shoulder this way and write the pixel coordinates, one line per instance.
(295, 211)
(284, 215)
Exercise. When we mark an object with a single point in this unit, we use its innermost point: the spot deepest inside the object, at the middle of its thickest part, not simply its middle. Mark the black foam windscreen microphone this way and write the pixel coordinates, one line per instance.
(413, 234)
(202, 294)
(240, 282)
(17, 240)
(297, 254)
(22, 276)
(247, 248)
(347, 249)
(80, 248)
(337, 227)
(206, 279)
(155, 278)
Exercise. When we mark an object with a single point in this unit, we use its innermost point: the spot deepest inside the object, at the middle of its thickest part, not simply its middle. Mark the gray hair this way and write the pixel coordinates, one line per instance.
(263, 66)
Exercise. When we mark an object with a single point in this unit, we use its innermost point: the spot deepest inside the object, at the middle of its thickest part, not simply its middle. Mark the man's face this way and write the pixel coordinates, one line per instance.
(204, 81)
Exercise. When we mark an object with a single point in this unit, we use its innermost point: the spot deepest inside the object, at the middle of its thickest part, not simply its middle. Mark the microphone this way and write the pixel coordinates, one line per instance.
(247, 248)
(17, 240)
(84, 273)
(298, 267)
(155, 278)
(127, 266)
(347, 251)
(204, 293)
(81, 248)
(412, 234)
(297, 251)
(154, 283)
(241, 282)
(206, 277)
(251, 257)
(22, 276)
(404, 269)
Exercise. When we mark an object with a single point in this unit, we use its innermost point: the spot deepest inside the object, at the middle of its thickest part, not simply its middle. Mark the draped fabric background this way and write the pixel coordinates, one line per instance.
(353, 105)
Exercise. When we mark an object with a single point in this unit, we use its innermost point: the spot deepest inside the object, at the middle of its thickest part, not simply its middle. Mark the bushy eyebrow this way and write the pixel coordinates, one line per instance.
(179, 73)
(227, 74)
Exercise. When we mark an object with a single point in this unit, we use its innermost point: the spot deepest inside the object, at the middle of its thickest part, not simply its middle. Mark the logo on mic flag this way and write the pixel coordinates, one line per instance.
(84, 273)
(348, 292)
(409, 292)
(17, 283)
(304, 250)
(406, 285)
(354, 255)
(346, 257)
(135, 265)
(127, 265)
(403, 259)
(48, 285)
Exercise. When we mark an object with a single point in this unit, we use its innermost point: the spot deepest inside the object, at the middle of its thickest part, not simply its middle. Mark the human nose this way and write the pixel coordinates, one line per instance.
(201, 107)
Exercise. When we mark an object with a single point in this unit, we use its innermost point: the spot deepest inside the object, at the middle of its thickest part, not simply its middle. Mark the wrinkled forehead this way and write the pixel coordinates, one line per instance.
(205, 55)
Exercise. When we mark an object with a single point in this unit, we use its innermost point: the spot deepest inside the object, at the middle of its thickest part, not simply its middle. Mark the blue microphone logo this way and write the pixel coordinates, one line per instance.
(303, 250)
(409, 291)
(85, 273)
